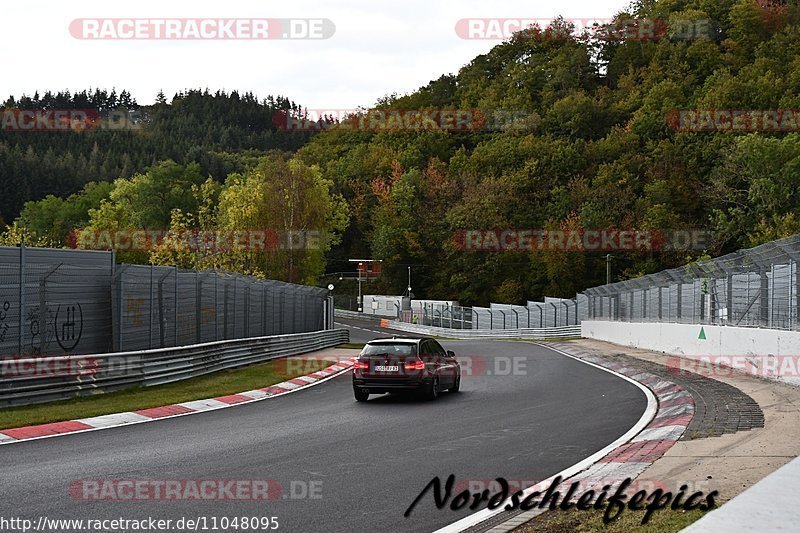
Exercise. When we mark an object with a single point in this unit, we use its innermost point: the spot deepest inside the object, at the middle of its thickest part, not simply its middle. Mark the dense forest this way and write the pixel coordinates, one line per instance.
(196, 126)
(592, 143)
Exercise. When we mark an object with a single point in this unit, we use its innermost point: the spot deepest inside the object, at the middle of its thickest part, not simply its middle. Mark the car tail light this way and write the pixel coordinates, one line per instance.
(361, 365)
(415, 365)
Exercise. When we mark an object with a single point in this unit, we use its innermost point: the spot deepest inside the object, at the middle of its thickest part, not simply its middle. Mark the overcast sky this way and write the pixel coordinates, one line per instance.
(377, 48)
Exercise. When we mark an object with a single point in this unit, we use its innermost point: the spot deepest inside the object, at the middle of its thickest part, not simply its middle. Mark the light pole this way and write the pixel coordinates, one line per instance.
(360, 306)
(362, 263)
(409, 282)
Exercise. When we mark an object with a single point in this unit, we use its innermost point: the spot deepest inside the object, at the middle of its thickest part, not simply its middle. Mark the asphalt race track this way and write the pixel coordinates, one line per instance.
(363, 463)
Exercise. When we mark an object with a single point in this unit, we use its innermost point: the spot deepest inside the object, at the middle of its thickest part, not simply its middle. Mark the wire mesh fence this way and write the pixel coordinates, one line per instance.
(163, 307)
(553, 312)
(753, 287)
(56, 302)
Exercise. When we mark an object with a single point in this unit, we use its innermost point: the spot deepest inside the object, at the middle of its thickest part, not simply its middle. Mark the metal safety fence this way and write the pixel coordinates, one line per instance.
(553, 312)
(753, 287)
(67, 302)
(37, 379)
(164, 306)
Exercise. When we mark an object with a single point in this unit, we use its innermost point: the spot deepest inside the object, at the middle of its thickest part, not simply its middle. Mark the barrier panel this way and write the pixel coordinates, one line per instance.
(37, 379)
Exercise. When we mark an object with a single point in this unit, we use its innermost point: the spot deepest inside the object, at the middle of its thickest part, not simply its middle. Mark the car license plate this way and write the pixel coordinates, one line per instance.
(384, 368)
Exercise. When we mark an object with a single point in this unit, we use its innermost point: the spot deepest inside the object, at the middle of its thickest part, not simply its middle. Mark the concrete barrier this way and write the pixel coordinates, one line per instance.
(769, 353)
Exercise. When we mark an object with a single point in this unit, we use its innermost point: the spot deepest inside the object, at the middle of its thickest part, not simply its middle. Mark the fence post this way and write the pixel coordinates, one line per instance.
(21, 300)
(113, 269)
(234, 307)
(247, 311)
(297, 302)
(120, 309)
(175, 312)
(729, 299)
(796, 290)
(197, 312)
(225, 311)
(660, 303)
(263, 309)
(150, 336)
(162, 317)
(644, 304)
(763, 316)
(281, 310)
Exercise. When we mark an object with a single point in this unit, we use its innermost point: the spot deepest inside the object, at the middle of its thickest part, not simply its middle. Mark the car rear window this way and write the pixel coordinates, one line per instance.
(398, 348)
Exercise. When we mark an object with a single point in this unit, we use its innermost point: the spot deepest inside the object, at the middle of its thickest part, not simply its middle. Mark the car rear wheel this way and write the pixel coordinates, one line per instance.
(433, 389)
(361, 395)
(457, 385)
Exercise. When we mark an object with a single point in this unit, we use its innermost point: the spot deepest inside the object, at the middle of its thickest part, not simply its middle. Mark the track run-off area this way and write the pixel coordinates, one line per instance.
(525, 413)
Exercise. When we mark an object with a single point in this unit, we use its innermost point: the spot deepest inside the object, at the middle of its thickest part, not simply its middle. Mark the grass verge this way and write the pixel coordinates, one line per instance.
(662, 521)
(218, 384)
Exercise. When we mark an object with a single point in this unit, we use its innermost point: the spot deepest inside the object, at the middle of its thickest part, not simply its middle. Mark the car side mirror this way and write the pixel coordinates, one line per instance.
(451, 353)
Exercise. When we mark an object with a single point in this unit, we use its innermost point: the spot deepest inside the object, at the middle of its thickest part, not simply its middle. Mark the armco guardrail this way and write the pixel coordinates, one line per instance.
(342, 313)
(38, 379)
(521, 333)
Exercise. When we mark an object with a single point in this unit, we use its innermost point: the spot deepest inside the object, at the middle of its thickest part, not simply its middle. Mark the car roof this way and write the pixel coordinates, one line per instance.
(408, 340)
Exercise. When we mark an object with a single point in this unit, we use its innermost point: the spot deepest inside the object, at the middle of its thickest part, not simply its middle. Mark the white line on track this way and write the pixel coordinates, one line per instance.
(209, 407)
(362, 329)
(649, 412)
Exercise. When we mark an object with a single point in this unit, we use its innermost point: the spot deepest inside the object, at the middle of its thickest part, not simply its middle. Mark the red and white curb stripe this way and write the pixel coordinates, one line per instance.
(42, 431)
(657, 431)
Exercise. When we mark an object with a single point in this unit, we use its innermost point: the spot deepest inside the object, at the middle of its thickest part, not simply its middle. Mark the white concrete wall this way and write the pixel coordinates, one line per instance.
(386, 305)
(770, 353)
